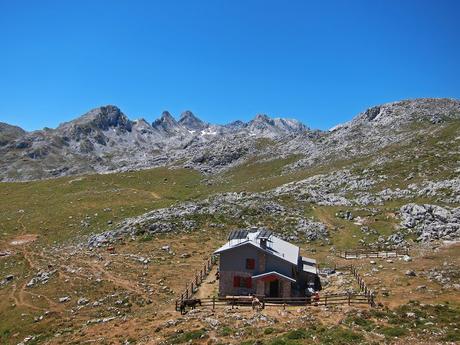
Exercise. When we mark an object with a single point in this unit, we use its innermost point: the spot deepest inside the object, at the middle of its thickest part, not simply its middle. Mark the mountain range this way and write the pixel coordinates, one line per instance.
(105, 139)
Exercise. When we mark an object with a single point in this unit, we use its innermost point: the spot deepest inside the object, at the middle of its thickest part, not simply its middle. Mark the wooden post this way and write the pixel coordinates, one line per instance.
(349, 299)
(213, 302)
(325, 299)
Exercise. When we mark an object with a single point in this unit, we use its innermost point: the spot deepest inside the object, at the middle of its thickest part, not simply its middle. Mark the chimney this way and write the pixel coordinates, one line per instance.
(263, 243)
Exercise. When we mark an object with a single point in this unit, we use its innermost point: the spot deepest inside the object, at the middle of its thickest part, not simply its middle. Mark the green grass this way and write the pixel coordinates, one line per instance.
(340, 336)
(55, 209)
(393, 332)
(226, 331)
(188, 337)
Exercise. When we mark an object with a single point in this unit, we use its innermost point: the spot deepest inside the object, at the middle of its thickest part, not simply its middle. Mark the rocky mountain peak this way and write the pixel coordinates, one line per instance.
(9, 133)
(262, 118)
(191, 122)
(7, 128)
(102, 118)
(166, 123)
(235, 125)
(265, 125)
(166, 116)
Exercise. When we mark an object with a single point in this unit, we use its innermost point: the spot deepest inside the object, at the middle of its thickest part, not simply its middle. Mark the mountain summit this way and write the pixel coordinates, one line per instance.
(191, 122)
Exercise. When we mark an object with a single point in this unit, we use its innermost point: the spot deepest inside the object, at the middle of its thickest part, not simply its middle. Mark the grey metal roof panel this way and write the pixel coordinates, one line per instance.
(308, 260)
(309, 269)
(276, 246)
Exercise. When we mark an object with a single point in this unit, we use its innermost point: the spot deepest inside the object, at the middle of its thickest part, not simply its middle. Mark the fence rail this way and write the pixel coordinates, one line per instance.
(367, 253)
(192, 286)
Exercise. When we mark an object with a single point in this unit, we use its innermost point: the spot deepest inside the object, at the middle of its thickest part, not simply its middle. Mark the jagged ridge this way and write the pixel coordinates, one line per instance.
(104, 139)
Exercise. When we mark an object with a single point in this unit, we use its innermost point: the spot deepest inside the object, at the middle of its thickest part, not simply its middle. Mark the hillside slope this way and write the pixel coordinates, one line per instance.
(102, 257)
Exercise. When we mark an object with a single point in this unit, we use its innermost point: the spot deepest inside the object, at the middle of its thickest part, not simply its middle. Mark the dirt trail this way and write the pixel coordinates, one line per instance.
(325, 217)
(97, 268)
(154, 194)
(20, 292)
(209, 286)
(23, 239)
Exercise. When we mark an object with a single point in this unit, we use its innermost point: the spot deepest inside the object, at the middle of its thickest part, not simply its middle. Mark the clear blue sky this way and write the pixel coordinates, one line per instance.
(318, 61)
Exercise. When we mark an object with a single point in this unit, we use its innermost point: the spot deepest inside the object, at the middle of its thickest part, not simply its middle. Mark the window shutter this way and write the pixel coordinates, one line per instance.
(236, 281)
(250, 264)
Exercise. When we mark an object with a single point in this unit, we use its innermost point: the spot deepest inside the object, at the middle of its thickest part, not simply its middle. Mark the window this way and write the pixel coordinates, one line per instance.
(250, 264)
(242, 282)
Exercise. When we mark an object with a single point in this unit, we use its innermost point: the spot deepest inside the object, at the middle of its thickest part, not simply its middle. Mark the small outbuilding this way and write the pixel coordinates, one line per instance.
(262, 264)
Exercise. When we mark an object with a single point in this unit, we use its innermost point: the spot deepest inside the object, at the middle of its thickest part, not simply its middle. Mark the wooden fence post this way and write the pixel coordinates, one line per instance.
(349, 299)
(213, 302)
(325, 300)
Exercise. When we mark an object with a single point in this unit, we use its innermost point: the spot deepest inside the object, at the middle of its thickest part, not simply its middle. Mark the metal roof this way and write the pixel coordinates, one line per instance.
(309, 261)
(276, 246)
(309, 269)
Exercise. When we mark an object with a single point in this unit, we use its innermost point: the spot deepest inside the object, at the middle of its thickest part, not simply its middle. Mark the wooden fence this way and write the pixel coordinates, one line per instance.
(368, 253)
(192, 286)
(365, 296)
(313, 301)
(363, 286)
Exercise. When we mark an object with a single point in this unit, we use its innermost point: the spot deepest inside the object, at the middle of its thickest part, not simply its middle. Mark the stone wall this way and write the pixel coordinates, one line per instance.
(285, 289)
(226, 284)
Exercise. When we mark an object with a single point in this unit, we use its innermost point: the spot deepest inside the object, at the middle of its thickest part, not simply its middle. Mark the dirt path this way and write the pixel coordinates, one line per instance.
(97, 268)
(23, 239)
(325, 217)
(154, 194)
(19, 293)
(209, 286)
(21, 224)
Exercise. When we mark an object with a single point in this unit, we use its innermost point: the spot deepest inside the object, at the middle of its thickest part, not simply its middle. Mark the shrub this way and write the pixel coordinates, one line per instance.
(296, 334)
(392, 332)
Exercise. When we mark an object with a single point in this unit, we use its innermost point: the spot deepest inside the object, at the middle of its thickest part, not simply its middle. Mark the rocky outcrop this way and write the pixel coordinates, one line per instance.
(431, 222)
(9, 133)
(191, 122)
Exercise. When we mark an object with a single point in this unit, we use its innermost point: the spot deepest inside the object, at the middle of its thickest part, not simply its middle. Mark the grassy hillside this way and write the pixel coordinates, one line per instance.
(61, 210)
